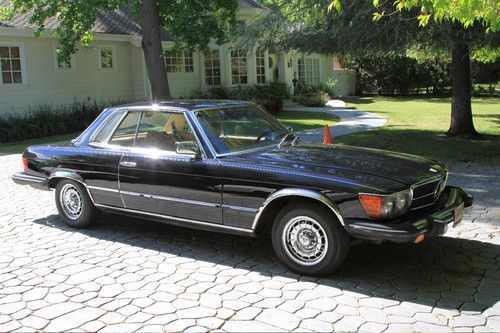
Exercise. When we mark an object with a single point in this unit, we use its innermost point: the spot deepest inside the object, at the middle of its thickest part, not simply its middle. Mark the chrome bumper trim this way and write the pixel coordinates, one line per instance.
(28, 178)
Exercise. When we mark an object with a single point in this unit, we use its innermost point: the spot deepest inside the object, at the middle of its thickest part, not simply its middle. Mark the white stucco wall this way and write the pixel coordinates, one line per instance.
(44, 83)
(346, 82)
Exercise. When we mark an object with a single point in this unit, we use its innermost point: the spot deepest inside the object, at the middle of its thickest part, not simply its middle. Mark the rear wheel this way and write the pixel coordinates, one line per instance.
(309, 239)
(74, 204)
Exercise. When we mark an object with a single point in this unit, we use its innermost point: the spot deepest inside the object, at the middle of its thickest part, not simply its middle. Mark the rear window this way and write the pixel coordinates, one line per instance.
(104, 131)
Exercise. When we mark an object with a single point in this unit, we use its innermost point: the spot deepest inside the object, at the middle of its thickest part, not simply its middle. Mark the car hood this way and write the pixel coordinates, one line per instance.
(379, 170)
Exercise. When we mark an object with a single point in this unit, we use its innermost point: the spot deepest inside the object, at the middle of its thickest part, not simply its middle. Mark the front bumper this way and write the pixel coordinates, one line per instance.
(37, 182)
(415, 226)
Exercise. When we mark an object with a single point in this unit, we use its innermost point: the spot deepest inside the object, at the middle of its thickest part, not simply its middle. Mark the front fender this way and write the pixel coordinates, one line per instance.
(297, 192)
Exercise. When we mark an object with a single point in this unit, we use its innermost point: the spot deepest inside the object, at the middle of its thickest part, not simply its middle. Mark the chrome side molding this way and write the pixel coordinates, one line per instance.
(179, 219)
(164, 198)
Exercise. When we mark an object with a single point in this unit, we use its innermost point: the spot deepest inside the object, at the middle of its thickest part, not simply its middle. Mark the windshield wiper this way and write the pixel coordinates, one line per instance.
(284, 139)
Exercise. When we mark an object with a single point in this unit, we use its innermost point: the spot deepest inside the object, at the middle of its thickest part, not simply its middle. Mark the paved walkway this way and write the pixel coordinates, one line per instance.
(350, 121)
(125, 274)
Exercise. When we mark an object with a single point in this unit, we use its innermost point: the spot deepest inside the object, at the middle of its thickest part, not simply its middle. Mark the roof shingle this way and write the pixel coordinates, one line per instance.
(119, 21)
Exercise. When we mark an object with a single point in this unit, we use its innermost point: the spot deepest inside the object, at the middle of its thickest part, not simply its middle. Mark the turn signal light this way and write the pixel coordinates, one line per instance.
(25, 164)
(387, 206)
(420, 238)
(372, 204)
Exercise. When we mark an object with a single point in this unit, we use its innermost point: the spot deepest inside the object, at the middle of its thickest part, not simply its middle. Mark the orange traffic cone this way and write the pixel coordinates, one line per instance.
(327, 137)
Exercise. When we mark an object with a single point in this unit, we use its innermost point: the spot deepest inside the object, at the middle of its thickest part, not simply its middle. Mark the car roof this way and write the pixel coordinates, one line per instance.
(185, 105)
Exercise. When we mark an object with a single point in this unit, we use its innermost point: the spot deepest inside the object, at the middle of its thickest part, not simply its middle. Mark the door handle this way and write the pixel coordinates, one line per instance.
(128, 164)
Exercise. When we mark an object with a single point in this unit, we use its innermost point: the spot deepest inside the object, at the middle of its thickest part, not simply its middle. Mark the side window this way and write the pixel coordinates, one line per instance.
(106, 57)
(161, 130)
(125, 133)
(10, 65)
(104, 131)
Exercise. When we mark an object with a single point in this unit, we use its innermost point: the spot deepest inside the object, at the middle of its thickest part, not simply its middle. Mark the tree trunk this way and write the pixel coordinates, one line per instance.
(153, 52)
(461, 110)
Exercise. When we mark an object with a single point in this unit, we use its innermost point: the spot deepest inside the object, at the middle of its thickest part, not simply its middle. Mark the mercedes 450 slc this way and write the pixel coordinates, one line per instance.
(231, 167)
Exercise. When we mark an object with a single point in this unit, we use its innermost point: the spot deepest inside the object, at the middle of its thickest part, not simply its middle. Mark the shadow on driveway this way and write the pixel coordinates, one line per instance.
(443, 272)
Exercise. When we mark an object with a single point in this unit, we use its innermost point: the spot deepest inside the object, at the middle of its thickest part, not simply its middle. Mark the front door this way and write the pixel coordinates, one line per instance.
(154, 178)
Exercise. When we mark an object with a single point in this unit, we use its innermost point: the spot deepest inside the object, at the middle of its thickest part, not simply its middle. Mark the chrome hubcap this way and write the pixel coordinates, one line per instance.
(304, 240)
(71, 201)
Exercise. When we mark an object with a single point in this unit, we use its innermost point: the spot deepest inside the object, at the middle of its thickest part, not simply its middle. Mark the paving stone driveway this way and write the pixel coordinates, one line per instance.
(129, 275)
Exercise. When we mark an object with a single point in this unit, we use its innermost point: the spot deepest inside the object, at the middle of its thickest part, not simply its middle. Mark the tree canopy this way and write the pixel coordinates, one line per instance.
(466, 12)
(187, 20)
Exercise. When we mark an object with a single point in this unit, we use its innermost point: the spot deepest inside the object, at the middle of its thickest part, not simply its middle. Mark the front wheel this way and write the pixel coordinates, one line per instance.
(74, 204)
(309, 239)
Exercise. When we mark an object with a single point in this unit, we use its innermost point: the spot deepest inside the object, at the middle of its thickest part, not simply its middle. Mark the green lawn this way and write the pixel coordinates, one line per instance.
(417, 126)
(298, 120)
(19, 146)
(303, 120)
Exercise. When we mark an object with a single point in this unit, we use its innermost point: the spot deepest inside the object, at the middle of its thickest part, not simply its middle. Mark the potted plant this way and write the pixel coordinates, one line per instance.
(273, 95)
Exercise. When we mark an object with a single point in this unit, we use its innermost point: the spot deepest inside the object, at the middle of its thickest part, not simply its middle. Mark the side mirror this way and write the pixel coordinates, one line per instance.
(187, 148)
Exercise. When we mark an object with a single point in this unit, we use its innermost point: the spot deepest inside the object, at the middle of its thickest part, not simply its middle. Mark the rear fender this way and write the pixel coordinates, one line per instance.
(64, 174)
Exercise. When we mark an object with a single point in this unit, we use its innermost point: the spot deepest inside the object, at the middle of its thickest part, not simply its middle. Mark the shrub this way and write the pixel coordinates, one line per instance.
(400, 75)
(314, 100)
(244, 93)
(273, 95)
(309, 89)
(270, 95)
(274, 91)
(48, 120)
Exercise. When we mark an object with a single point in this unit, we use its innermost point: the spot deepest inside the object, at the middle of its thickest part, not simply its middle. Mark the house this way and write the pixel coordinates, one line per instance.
(112, 67)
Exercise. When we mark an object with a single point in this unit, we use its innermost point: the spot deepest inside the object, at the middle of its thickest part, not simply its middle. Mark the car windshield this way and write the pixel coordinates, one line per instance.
(233, 130)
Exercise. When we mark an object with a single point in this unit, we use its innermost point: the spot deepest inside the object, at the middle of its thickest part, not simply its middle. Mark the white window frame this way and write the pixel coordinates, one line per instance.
(23, 66)
(309, 74)
(182, 55)
(113, 57)
(264, 65)
(205, 69)
(245, 56)
(62, 69)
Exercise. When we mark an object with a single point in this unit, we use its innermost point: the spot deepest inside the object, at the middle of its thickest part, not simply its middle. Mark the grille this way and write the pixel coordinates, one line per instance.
(426, 194)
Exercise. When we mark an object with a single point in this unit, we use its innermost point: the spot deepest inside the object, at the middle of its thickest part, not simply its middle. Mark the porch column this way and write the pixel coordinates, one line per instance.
(285, 72)
(282, 67)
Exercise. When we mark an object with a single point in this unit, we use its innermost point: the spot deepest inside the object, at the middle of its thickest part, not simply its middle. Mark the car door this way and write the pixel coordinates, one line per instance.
(155, 178)
(98, 165)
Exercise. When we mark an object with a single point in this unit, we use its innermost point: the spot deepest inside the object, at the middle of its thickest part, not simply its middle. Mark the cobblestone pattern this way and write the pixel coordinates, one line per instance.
(129, 275)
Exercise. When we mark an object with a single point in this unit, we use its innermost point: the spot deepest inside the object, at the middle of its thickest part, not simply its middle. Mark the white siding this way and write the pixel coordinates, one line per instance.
(46, 84)
(127, 81)
(345, 79)
(140, 79)
(182, 84)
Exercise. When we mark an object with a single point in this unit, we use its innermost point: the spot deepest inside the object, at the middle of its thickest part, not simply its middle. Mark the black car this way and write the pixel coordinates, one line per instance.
(231, 167)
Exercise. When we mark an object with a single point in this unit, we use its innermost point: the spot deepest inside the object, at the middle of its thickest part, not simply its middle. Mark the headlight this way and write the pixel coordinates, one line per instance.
(386, 206)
